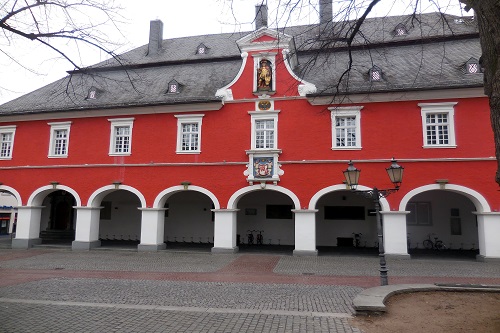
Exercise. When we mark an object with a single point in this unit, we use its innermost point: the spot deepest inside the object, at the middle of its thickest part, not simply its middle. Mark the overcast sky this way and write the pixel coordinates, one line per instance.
(180, 18)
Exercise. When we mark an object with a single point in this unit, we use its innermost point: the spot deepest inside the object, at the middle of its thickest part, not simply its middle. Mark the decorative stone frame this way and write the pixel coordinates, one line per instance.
(346, 111)
(8, 130)
(120, 122)
(188, 119)
(271, 57)
(56, 127)
(435, 108)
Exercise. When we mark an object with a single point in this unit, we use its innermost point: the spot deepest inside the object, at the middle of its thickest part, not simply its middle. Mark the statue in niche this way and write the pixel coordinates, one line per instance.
(264, 75)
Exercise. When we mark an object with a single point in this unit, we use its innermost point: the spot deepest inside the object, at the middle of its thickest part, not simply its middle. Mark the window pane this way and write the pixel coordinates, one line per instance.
(190, 137)
(264, 134)
(437, 131)
(60, 142)
(122, 139)
(345, 131)
(6, 144)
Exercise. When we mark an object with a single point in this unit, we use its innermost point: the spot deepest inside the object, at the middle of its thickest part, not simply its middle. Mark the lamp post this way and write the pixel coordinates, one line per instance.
(395, 172)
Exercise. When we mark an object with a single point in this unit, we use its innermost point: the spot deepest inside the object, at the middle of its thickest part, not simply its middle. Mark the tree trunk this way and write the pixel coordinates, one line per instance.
(487, 14)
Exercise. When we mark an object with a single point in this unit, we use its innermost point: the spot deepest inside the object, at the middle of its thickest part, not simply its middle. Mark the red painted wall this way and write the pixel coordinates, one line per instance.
(304, 134)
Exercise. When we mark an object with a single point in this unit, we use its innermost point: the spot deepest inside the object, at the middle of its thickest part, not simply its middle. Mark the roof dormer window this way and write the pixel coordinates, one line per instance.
(472, 66)
(202, 49)
(375, 74)
(400, 30)
(92, 93)
(173, 87)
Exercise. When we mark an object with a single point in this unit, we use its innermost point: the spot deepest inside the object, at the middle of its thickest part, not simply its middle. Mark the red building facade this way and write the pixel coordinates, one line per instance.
(252, 139)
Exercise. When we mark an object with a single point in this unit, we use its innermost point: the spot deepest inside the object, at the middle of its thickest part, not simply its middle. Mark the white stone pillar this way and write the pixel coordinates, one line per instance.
(305, 232)
(488, 228)
(28, 227)
(395, 234)
(11, 222)
(87, 228)
(225, 231)
(152, 229)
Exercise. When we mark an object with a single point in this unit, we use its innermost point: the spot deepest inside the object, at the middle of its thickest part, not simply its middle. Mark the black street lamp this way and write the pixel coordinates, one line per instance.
(395, 172)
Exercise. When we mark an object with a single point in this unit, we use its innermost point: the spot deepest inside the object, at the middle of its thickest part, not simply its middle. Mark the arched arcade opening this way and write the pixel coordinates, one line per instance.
(443, 217)
(189, 220)
(119, 218)
(345, 222)
(265, 218)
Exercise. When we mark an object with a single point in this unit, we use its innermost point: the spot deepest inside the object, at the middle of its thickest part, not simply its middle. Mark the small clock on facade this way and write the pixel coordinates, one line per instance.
(264, 105)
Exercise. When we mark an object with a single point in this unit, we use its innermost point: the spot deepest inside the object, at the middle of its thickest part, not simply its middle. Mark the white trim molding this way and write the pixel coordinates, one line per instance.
(127, 147)
(185, 120)
(437, 109)
(61, 149)
(11, 129)
(346, 111)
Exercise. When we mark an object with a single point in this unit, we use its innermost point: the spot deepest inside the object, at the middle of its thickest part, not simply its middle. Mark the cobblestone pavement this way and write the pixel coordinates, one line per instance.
(46, 290)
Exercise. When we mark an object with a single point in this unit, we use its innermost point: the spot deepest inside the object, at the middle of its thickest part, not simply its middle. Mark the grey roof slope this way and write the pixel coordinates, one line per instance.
(182, 49)
(409, 67)
(405, 61)
(119, 88)
(381, 30)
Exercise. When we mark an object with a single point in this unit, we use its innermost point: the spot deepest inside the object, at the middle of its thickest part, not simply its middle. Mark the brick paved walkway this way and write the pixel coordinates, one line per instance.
(43, 290)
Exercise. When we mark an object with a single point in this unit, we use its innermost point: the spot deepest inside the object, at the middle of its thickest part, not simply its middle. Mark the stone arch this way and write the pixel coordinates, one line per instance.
(233, 201)
(163, 196)
(96, 197)
(384, 204)
(12, 191)
(37, 197)
(477, 199)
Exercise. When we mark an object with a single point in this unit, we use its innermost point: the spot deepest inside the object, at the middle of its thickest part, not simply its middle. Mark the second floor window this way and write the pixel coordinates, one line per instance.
(122, 139)
(346, 127)
(438, 125)
(189, 133)
(345, 131)
(6, 141)
(59, 139)
(121, 136)
(189, 137)
(264, 134)
(437, 129)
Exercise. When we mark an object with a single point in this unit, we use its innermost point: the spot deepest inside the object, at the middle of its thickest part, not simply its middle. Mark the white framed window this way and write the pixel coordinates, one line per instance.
(121, 136)
(264, 130)
(59, 139)
(189, 133)
(7, 134)
(346, 127)
(438, 124)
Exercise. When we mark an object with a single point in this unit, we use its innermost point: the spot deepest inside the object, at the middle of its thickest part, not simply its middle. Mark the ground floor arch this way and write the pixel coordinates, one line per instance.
(346, 220)
(48, 216)
(458, 216)
(442, 215)
(189, 218)
(265, 217)
(120, 217)
(257, 215)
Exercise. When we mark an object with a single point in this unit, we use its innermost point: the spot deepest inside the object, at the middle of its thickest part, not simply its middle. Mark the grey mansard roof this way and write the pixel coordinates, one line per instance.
(431, 56)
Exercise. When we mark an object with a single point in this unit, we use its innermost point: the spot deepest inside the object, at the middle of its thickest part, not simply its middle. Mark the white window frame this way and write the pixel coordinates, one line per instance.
(439, 108)
(184, 120)
(7, 130)
(115, 123)
(346, 111)
(54, 127)
(264, 115)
